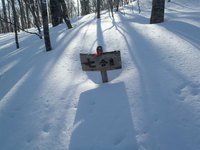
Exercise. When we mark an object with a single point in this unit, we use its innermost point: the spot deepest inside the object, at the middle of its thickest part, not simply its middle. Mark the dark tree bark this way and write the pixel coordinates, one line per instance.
(117, 5)
(65, 14)
(98, 8)
(56, 13)
(37, 11)
(138, 4)
(5, 15)
(157, 12)
(15, 23)
(84, 7)
(45, 25)
(21, 14)
(1, 26)
(28, 21)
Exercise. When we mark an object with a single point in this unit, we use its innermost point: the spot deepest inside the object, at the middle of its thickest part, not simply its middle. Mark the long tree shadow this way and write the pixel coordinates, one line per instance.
(187, 31)
(159, 103)
(30, 70)
(103, 120)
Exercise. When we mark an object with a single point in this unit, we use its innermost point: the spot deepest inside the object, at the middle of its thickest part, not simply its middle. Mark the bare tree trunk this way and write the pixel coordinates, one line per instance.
(27, 15)
(84, 7)
(56, 14)
(21, 13)
(98, 8)
(1, 26)
(157, 12)
(138, 4)
(5, 15)
(31, 6)
(78, 7)
(65, 14)
(38, 12)
(15, 23)
(111, 7)
(117, 5)
(45, 25)
(9, 16)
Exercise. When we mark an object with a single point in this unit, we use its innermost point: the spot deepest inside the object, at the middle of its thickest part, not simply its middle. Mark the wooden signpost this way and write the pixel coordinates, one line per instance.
(101, 62)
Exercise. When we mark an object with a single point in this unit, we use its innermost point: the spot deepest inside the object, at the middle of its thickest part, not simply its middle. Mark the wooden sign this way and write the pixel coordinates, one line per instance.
(101, 62)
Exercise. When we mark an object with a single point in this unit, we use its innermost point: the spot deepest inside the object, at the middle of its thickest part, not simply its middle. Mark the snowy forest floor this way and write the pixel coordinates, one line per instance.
(153, 103)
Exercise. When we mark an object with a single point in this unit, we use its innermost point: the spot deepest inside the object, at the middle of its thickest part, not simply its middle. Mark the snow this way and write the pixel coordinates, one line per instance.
(153, 103)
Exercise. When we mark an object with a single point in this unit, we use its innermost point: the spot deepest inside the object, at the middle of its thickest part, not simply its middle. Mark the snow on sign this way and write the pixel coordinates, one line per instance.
(101, 62)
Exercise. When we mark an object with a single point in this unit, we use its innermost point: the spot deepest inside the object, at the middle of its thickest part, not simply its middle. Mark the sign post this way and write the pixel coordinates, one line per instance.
(101, 62)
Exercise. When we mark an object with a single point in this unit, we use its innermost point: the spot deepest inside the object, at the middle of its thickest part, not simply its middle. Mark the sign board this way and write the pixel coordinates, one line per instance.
(104, 61)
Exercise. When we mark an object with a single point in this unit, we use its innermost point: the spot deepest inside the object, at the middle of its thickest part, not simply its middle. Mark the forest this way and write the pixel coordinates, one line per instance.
(16, 15)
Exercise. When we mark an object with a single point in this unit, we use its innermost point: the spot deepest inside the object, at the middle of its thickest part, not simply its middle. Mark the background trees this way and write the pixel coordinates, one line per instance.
(16, 15)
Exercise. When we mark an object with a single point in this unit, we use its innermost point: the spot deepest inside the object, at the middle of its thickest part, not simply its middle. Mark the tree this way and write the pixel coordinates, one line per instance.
(98, 8)
(45, 25)
(111, 7)
(5, 15)
(59, 12)
(65, 14)
(56, 14)
(157, 12)
(84, 7)
(22, 14)
(15, 23)
(31, 6)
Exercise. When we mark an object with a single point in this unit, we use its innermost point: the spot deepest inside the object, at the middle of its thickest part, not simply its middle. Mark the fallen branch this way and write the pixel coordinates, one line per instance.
(39, 35)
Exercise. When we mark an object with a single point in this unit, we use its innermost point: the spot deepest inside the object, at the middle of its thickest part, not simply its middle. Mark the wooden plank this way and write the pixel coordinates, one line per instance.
(104, 61)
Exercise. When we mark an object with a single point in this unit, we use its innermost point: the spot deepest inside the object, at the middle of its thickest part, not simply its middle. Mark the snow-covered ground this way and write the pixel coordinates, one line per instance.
(153, 103)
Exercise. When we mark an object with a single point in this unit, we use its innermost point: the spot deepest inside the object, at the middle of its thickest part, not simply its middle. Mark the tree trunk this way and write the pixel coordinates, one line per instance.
(56, 14)
(45, 25)
(111, 7)
(27, 16)
(157, 12)
(9, 16)
(33, 11)
(15, 23)
(5, 16)
(84, 7)
(117, 5)
(1, 26)
(65, 14)
(98, 8)
(21, 13)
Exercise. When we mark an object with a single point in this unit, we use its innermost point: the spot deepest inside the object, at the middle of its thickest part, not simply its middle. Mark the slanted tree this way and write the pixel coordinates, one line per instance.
(45, 25)
(31, 6)
(157, 12)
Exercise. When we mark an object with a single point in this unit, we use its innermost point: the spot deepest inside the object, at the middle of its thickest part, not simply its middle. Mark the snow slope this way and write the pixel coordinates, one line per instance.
(153, 103)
